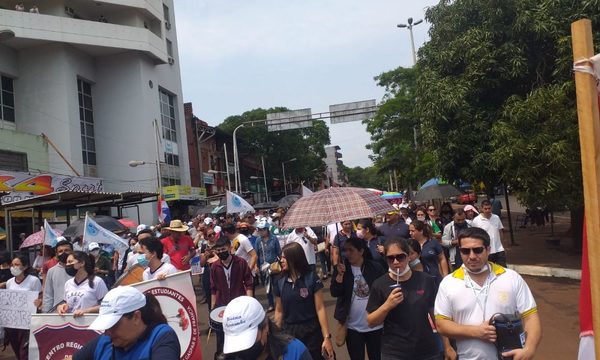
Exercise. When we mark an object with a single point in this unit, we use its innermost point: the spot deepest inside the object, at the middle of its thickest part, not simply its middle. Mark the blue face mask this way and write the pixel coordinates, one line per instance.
(142, 260)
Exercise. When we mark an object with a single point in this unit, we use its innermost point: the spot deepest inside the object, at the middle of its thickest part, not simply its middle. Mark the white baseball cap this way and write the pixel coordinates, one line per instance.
(116, 303)
(140, 228)
(208, 220)
(93, 246)
(241, 319)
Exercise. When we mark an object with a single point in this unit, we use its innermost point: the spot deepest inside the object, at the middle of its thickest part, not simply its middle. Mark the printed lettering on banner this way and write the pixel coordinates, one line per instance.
(16, 307)
(56, 337)
(178, 303)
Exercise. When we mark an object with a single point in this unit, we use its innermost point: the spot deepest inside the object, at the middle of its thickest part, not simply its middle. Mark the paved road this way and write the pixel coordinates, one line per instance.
(557, 302)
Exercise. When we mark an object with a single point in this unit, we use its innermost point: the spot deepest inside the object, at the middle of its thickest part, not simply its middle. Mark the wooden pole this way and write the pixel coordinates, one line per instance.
(589, 138)
(45, 137)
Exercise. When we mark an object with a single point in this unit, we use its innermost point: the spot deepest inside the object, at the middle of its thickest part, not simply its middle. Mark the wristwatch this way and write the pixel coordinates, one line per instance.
(328, 336)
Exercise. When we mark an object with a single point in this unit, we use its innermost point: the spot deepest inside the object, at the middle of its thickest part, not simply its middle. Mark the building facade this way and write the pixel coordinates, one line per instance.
(94, 77)
(334, 174)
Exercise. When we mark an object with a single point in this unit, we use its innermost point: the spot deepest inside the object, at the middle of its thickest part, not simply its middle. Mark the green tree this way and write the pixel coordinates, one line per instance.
(306, 145)
(367, 177)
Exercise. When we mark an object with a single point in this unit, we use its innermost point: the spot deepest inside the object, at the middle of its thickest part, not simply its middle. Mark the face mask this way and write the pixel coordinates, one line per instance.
(414, 263)
(483, 269)
(251, 353)
(420, 218)
(403, 272)
(63, 258)
(223, 255)
(15, 271)
(70, 269)
(95, 253)
(360, 233)
(142, 260)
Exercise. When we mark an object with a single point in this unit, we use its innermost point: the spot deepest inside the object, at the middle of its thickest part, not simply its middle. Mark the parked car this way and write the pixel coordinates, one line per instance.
(468, 197)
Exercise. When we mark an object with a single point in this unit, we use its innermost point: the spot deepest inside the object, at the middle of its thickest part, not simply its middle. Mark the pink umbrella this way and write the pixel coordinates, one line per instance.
(37, 238)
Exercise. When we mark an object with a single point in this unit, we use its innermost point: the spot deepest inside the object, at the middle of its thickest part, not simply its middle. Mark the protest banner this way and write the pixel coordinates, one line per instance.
(54, 337)
(178, 303)
(16, 307)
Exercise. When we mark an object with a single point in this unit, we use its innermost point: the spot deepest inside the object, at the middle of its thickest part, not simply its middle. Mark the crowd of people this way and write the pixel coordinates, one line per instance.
(417, 283)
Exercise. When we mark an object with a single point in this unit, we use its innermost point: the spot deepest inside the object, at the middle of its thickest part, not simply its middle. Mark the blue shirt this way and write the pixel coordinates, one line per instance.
(296, 351)
(430, 252)
(267, 251)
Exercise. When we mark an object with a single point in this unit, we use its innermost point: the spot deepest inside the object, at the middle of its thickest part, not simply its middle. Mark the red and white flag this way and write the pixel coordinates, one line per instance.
(586, 328)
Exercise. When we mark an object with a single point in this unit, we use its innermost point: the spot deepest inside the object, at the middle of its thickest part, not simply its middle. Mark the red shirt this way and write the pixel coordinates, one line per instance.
(49, 264)
(177, 250)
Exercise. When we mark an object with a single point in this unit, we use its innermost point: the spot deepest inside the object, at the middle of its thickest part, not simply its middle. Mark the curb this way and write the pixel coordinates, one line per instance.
(532, 270)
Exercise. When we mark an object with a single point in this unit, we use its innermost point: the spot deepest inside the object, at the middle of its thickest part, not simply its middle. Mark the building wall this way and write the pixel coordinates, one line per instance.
(34, 146)
(125, 94)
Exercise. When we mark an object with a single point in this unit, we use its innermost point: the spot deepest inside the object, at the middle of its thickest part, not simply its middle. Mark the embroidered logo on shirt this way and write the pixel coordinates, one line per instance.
(304, 292)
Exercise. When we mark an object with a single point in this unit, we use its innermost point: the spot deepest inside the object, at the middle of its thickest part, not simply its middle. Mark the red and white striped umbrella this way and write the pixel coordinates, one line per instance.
(334, 205)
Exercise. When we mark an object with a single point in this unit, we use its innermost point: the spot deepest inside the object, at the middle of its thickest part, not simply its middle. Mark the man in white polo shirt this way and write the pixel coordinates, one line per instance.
(471, 295)
(308, 240)
(493, 226)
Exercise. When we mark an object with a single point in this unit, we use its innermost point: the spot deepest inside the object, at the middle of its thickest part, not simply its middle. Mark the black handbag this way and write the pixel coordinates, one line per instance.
(509, 333)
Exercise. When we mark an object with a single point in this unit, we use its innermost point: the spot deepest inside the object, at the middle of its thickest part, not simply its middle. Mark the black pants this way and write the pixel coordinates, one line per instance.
(310, 334)
(498, 258)
(19, 342)
(356, 342)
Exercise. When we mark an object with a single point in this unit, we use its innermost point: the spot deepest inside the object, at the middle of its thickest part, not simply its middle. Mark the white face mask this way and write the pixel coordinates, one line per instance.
(421, 217)
(15, 271)
(402, 273)
(414, 263)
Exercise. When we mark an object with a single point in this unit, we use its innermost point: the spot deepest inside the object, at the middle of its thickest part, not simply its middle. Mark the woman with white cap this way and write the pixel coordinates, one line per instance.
(251, 335)
(134, 328)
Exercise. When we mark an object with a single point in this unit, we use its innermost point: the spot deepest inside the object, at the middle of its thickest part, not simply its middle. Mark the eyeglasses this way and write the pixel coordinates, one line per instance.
(398, 258)
(467, 251)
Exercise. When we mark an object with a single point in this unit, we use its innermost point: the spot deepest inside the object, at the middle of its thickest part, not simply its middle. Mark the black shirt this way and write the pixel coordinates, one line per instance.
(399, 229)
(5, 275)
(407, 333)
(298, 299)
(339, 240)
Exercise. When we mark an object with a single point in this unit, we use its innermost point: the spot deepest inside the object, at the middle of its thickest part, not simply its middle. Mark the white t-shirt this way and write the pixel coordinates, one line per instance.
(492, 226)
(463, 301)
(332, 230)
(357, 317)
(166, 269)
(82, 296)
(242, 246)
(30, 283)
(307, 246)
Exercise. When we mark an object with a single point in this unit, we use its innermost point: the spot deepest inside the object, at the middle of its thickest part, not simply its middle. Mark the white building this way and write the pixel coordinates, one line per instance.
(93, 75)
(334, 173)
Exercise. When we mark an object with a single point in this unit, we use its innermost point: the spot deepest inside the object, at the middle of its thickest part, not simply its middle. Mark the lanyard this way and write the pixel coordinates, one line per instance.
(485, 290)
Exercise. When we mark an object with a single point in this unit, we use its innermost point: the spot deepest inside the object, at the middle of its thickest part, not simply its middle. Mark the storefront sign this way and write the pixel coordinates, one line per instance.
(21, 186)
(209, 179)
(183, 192)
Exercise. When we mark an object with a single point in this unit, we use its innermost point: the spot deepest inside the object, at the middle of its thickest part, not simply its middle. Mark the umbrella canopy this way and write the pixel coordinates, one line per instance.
(221, 209)
(266, 205)
(36, 238)
(289, 200)
(391, 195)
(128, 223)
(334, 205)
(107, 222)
(431, 182)
(442, 191)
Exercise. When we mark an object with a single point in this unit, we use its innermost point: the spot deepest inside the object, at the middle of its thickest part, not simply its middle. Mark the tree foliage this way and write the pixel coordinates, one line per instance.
(306, 145)
(496, 97)
(367, 177)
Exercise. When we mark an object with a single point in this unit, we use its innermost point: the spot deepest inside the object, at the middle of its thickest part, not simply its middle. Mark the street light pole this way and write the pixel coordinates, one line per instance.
(410, 26)
(262, 158)
(158, 174)
(283, 170)
(226, 167)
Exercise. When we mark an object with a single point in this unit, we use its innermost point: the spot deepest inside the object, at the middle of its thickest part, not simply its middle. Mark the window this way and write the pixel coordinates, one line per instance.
(7, 99)
(86, 121)
(167, 115)
(168, 181)
(13, 161)
(166, 13)
(169, 48)
(172, 159)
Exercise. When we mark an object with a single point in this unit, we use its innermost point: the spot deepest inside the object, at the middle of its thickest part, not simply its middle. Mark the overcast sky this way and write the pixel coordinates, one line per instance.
(237, 55)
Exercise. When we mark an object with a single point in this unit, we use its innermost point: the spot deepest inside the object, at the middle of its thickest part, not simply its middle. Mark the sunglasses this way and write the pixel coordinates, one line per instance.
(467, 251)
(398, 258)
(431, 209)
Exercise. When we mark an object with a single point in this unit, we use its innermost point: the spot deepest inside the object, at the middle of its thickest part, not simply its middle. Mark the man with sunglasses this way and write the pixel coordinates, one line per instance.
(471, 295)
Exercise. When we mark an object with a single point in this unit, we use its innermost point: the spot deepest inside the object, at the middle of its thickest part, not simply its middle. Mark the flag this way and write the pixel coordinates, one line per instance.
(586, 328)
(164, 214)
(235, 204)
(306, 191)
(95, 233)
(49, 235)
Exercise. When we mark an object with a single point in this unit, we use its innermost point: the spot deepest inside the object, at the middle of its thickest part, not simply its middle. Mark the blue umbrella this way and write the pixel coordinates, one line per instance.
(432, 181)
